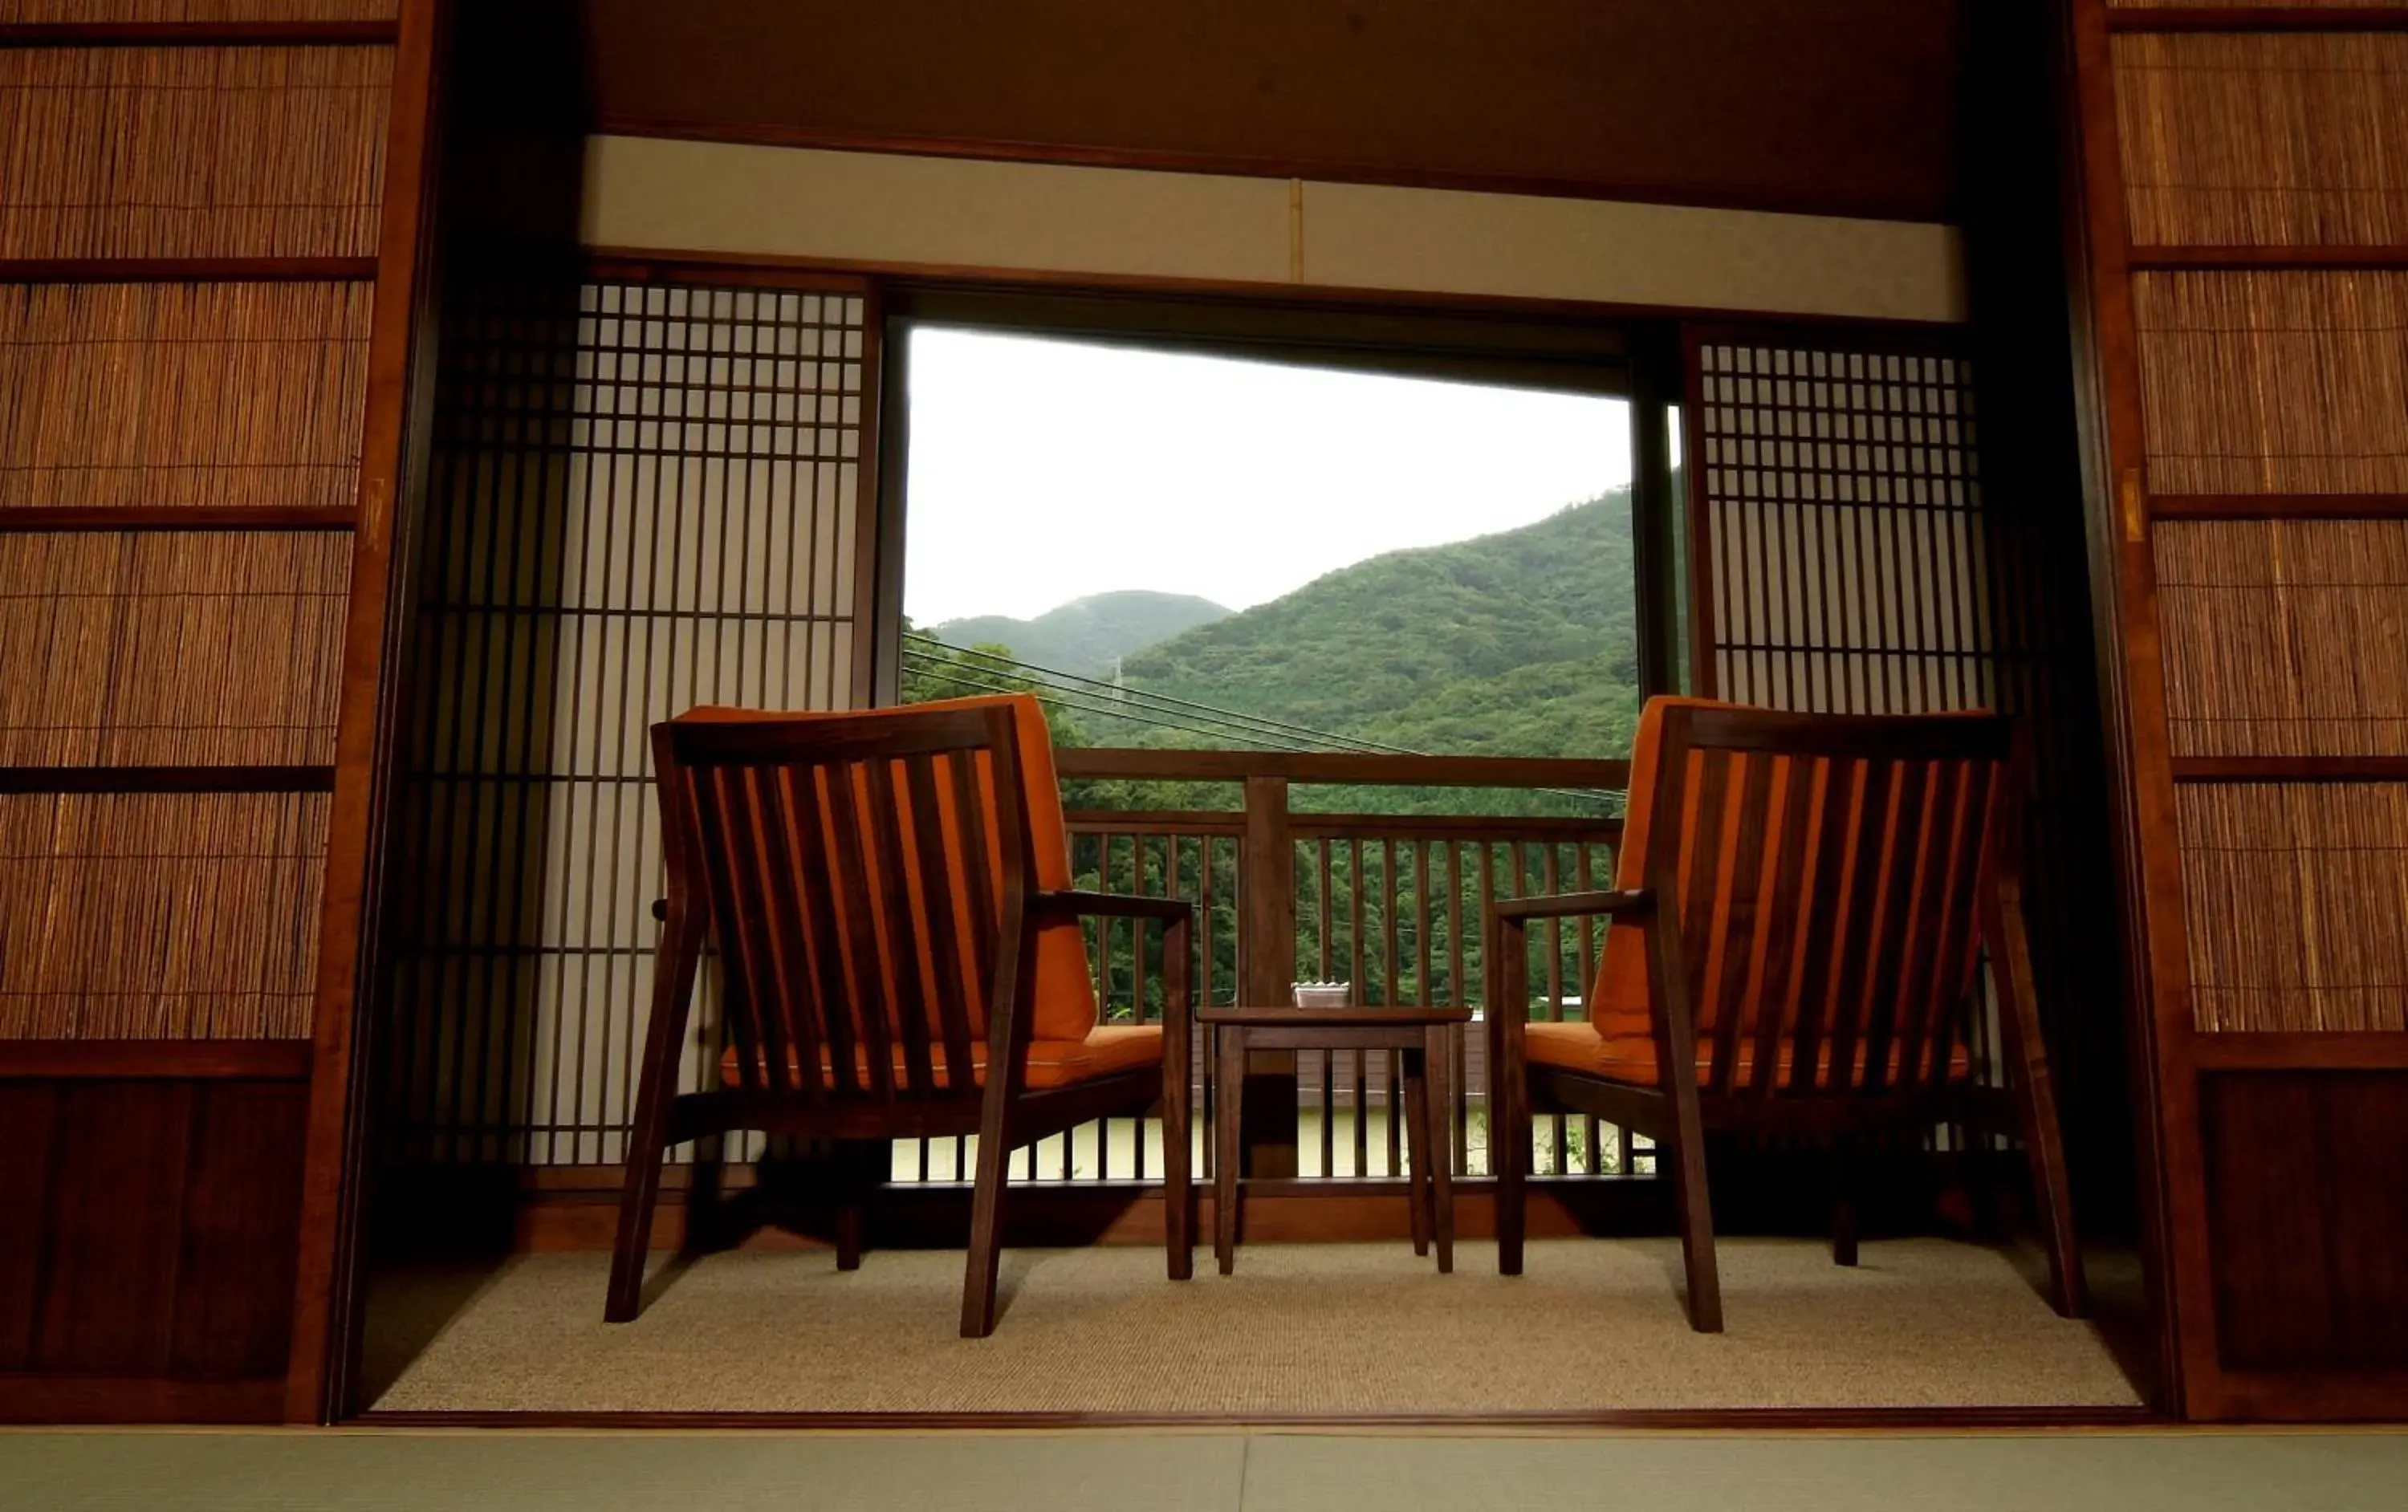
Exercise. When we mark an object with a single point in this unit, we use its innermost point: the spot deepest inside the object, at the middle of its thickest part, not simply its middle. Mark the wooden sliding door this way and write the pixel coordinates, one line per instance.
(2244, 221)
(210, 234)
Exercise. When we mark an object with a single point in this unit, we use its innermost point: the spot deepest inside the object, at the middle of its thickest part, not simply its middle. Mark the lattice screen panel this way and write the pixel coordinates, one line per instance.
(1844, 547)
(172, 648)
(170, 916)
(149, 396)
(645, 499)
(196, 152)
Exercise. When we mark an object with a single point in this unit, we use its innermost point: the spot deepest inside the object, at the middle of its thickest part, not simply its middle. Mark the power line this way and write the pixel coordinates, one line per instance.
(1013, 666)
(951, 666)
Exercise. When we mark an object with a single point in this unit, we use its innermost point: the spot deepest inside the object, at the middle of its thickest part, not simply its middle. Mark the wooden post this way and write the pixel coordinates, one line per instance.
(1266, 970)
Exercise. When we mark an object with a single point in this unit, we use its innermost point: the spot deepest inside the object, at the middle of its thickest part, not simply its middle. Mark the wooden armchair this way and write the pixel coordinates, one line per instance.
(1801, 901)
(902, 957)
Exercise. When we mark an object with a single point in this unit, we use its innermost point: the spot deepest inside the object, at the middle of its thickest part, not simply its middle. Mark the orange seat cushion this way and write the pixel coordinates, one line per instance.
(1052, 1063)
(1578, 1047)
(1066, 993)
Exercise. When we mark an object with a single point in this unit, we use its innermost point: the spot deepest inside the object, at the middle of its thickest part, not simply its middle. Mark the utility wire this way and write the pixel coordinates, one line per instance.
(953, 667)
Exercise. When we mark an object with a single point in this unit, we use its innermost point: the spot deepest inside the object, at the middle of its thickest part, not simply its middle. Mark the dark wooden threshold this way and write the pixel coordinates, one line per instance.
(28, 1399)
(492, 1209)
(167, 780)
(2290, 768)
(43, 518)
(155, 1060)
(2257, 19)
(189, 270)
(2309, 259)
(2314, 1396)
(199, 34)
(2356, 1050)
(1744, 1419)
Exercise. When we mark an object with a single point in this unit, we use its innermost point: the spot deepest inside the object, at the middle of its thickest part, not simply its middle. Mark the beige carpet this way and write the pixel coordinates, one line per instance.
(1594, 1325)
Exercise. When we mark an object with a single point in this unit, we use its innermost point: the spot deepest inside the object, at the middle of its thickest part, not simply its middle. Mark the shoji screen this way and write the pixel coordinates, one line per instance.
(1838, 538)
(646, 494)
(1846, 558)
(2248, 228)
(195, 257)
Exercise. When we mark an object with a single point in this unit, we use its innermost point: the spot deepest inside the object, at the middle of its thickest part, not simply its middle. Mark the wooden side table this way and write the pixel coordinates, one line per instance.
(1420, 1033)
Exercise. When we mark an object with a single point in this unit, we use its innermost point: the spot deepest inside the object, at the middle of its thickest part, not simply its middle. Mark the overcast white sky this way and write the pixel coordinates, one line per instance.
(1042, 470)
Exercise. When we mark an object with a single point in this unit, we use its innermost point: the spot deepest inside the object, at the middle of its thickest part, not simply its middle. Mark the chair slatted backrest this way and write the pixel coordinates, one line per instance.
(1827, 874)
(865, 878)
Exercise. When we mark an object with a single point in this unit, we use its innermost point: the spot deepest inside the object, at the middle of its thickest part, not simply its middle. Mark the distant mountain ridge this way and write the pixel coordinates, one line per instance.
(1521, 643)
(1088, 634)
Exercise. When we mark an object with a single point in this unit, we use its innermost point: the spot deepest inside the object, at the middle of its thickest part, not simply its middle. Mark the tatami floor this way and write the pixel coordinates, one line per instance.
(339, 1470)
(1301, 1331)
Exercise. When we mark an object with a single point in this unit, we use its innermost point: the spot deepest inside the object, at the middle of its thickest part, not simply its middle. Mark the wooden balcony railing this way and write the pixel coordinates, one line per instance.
(1391, 902)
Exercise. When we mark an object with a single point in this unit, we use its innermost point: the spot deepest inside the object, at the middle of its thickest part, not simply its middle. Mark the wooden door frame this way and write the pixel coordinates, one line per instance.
(393, 482)
(331, 1310)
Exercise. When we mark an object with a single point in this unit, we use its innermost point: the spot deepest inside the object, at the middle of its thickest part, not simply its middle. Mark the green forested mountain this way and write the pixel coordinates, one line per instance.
(1524, 643)
(1086, 635)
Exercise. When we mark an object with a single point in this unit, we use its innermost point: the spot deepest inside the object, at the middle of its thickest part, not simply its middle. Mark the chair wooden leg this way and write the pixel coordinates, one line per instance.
(1437, 1092)
(647, 1145)
(1687, 1151)
(2036, 1112)
(1843, 1205)
(1178, 1198)
(2034, 1095)
(1228, 1097)
(986, 1229)
(1509, 1156)
(1415, 1109)
(854, 1176)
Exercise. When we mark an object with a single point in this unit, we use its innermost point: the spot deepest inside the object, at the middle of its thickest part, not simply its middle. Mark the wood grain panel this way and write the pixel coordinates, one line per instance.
(2307, 1187)
(137, 916)
(171, 649)
(95, 11)
(2284, 638)
(2275, 382)
(205, 394)
(2295, 901)
(2239, 140)
(192, 151)
(1792, 105)
(152, 1229)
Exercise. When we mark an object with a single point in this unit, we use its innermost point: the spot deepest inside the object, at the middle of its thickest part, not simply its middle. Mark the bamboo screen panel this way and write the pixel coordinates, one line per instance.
(2296, 899)
(171, 649)
(173, 915)
(158, 395)
(194, 152)
(2284, 638)
(2242, 140)
(38, 11)
(2275, 382)
(1843, 519)
(645, 499)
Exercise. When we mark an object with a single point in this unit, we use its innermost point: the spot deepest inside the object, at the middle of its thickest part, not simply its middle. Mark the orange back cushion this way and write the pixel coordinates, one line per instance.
(1617, 1001)
(1066, 993)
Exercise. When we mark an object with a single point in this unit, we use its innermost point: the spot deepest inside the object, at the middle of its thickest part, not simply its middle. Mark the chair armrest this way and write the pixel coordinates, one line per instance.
(1572, 904)
(1074, 903)
(661, 909)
